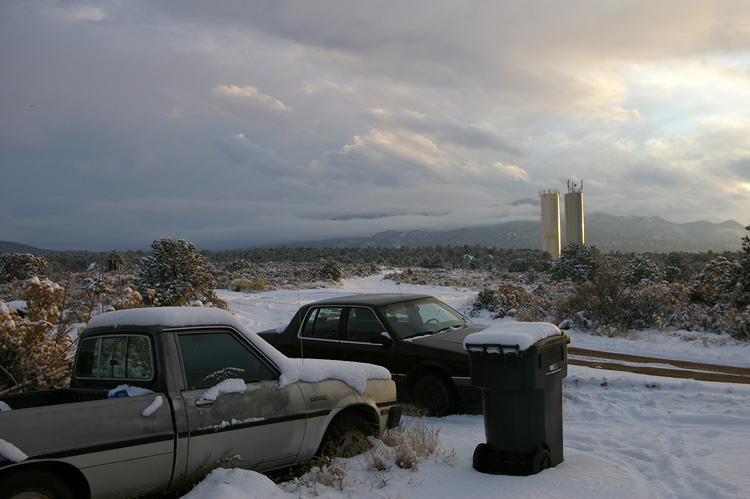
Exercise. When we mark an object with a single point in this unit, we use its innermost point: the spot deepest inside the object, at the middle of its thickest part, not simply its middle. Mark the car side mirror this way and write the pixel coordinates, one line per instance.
(384, 339)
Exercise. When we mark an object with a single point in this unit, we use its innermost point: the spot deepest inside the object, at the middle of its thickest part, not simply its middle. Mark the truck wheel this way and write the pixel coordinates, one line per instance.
(347, 436)
(436, 394)
(34, 484)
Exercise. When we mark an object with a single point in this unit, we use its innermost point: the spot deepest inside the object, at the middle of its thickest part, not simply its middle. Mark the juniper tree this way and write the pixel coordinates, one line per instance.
(173, 270)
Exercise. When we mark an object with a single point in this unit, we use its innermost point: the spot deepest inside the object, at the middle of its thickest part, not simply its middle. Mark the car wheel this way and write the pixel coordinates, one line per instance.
(34, 484)
(436, 395)
(347, 436)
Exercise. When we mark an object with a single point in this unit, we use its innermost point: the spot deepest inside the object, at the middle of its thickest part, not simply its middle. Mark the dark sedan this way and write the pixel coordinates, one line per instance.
(417, 337)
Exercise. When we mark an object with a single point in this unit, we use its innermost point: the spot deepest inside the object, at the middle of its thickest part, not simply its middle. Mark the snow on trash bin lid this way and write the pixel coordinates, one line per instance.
(511, 335)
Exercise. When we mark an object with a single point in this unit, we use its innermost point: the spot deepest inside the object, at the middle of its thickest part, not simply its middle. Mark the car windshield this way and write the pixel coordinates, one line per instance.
(420, 317)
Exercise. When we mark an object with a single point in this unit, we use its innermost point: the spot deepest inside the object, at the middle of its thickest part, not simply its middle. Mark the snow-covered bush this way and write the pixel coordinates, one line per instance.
(577, 263)
(676, 267)
(35, 343)
(173, 270)
(529, 264)
(244, 285)
(709, 286)
(330, 270)
(505, 301)
(639, 270)
(21, 266)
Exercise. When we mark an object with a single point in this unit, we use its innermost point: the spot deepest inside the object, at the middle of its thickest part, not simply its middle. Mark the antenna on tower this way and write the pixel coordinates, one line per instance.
(575, 186)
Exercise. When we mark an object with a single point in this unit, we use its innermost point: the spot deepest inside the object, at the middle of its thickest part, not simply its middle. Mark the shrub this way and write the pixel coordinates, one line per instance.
(504, 301)
(577, 262)
(707, 285)
(638, 270)
(330, 270)
(676, 267)
(21, 266)
(33, 344)
(173, 271)
(529, 264)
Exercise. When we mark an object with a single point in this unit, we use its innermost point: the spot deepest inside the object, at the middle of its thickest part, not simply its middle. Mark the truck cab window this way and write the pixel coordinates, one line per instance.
(209, 358)
(115, 357)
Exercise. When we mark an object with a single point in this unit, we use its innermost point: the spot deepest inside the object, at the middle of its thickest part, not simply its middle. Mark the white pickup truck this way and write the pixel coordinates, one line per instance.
(159, 397)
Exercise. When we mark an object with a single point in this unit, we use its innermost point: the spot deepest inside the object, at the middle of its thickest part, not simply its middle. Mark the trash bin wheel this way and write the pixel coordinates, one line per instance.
(436, 394)
(542, 460)
(481, 458)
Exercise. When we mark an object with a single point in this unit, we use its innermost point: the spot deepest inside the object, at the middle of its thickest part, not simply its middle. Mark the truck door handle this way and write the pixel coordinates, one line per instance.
(203, 403)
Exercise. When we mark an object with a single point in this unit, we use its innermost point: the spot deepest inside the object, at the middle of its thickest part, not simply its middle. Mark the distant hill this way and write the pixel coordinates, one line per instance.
(18, 248)
(606, 232)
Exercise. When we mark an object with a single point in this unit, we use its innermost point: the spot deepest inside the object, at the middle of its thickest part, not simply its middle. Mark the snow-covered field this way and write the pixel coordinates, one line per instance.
(625, 435)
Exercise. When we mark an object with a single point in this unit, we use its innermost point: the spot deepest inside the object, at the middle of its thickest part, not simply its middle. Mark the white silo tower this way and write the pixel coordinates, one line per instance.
(574, 213)
(551, 221)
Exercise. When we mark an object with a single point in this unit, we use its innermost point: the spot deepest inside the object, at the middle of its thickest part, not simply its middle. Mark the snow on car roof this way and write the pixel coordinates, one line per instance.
(165, 317)
(354, 374)
(517, 335)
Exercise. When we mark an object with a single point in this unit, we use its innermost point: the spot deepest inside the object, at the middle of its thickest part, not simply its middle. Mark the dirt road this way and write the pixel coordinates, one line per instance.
(658, 367)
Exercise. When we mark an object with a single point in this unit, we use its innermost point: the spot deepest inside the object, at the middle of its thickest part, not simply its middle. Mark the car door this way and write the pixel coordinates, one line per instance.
(365, 339)
(236, 414)
(320, 333)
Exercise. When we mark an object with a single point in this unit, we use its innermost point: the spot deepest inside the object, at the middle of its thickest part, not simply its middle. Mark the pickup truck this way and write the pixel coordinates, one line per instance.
(159, 397)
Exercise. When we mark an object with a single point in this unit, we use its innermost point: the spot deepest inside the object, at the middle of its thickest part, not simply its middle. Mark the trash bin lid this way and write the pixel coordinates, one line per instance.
(518, 336)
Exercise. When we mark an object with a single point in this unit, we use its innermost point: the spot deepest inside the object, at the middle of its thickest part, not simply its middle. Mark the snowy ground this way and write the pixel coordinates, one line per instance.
(625, 435)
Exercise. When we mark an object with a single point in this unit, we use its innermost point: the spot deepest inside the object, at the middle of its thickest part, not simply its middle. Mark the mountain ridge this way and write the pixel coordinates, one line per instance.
(609, 233)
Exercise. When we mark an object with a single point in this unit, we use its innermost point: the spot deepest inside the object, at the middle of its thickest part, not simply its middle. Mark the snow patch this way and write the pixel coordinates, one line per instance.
(233, 385)
(354, 374)
(517, 335)
(153, 407)
(11, 452)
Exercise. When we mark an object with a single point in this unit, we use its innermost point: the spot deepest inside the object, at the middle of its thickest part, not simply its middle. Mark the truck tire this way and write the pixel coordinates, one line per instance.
(346, 436)
(34, 484)
(436, 395)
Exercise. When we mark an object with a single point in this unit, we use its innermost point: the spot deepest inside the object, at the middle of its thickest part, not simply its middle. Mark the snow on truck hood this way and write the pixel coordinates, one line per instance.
(354, 374)
(516, 335)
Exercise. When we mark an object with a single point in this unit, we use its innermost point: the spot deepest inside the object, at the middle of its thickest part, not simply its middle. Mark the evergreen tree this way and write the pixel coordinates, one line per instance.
(173, 270)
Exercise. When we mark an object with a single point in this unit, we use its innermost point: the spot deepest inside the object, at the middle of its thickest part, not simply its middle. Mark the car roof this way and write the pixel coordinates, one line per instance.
(372, 299)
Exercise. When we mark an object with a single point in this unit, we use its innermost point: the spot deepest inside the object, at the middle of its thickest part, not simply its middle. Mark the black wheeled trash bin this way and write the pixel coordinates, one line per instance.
(519, 366)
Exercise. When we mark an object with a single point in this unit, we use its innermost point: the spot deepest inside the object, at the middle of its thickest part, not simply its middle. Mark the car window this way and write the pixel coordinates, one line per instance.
(363, 325)
(419, 317)
(115, 357)
(209, 358)
(323, 323)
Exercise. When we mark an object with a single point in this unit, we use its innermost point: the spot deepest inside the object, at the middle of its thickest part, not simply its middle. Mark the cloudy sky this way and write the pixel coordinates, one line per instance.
(233, 124)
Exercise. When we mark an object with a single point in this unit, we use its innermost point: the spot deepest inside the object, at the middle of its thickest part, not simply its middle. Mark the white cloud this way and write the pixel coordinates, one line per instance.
(80, 13)
(250, 93)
